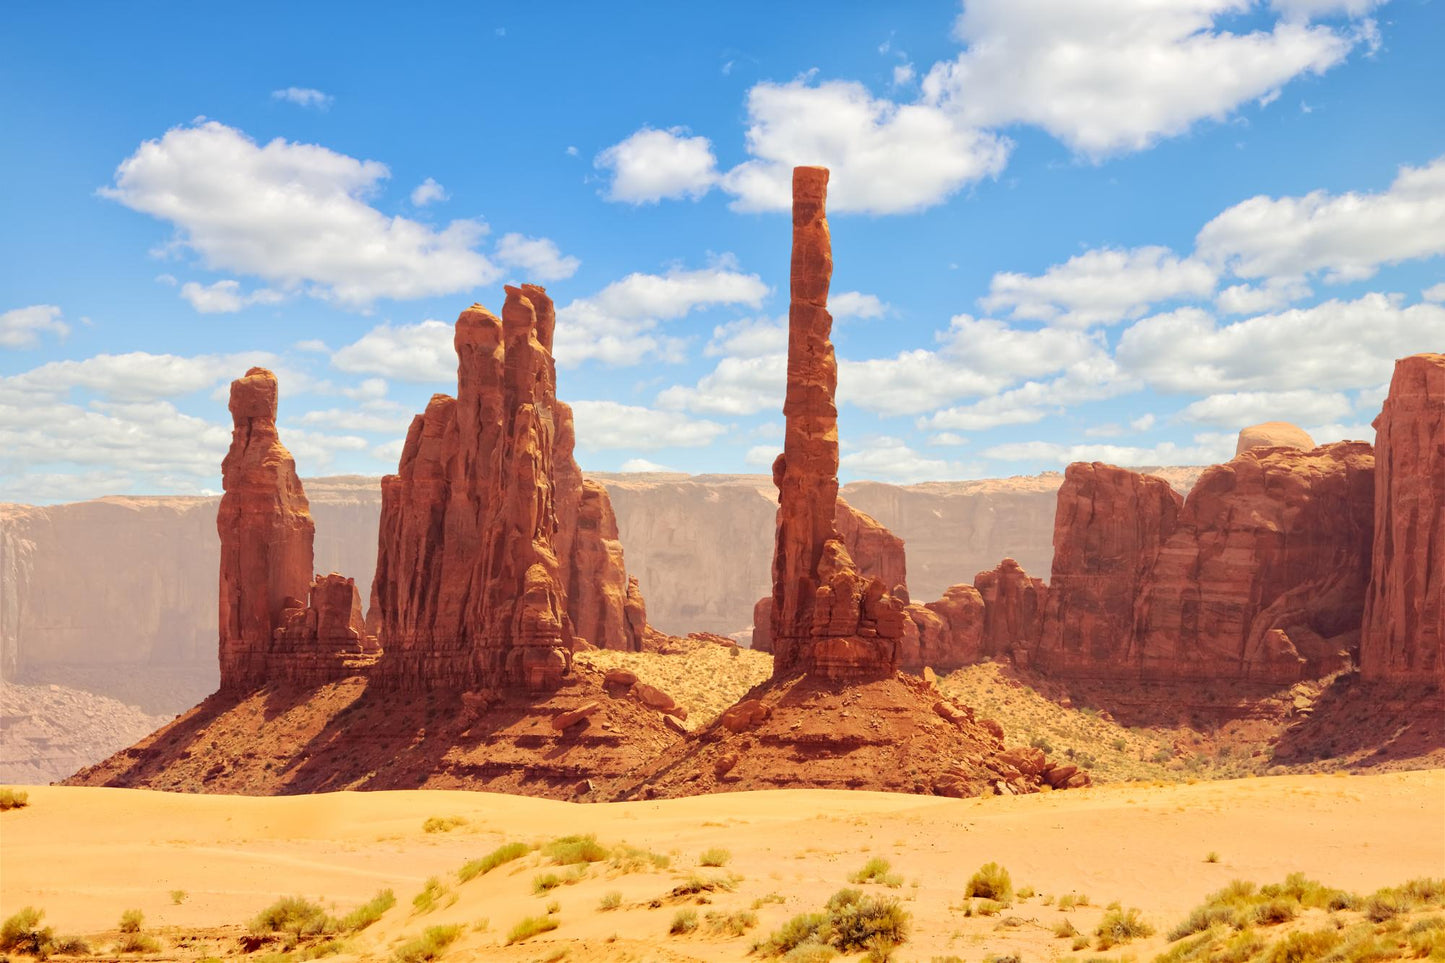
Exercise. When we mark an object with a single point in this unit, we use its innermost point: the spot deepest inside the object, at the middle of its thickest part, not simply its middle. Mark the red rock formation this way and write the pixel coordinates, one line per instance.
(1110, 525)
(1265, 576)
(826, 617)
(487, 526)
(1404, 623)
(946, 634)
(1013, 607)
(324, 638)
(877, 552)
(1273, 434)
(266, 533)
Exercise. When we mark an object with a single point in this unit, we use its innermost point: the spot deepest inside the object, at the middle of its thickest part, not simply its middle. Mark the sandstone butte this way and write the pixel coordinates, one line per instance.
(1273, 434)
(836, 713)
(1404, 620)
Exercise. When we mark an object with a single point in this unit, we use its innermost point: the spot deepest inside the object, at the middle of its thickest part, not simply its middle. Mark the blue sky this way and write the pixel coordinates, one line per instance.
(1063, 229)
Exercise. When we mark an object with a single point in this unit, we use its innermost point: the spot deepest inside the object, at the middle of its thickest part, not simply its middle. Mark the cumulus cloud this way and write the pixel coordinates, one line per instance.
(1435, 292)
(538, 258)
(23, 327)
(137, 376)
(427, 192)
(421, 353)
(891, 459)
(304, 97)
(638, 465)
(1090, 379)
(1106, 76)
(294, 215)
(609, 425)
(652, 165)
(1251, 298)
(885, 157)
(1101, 286)
(1189, 352)
(377, 416)
(749, 338)
(737, 386)
(1237, 409)
(855, 304)
(1345, 237)
(1208, 448)
(620, 325)
(225, 297)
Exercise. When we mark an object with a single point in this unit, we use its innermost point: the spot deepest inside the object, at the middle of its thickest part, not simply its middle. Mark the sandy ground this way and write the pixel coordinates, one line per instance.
(85, 855)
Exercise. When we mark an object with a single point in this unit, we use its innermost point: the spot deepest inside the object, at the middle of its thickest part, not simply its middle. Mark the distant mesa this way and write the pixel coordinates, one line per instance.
(1273, 434)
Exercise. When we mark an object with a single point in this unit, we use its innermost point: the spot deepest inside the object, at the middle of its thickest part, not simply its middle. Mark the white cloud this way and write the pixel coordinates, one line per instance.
(1106, 76)
(1239, 409)
(295, 215)
(749, 338)
(389, 451)
(855, 304)
(1092, 378)
(304, 97)
(619, 324)
(22, 327)
(1209, 448)
(427, 192)
(137, 376)
(225, 297)
(946, 439)
(903, 74)
(386, 417)
(892, 459)
(1144, 422)
(737, 386)
(421, 353)
(885, 157)
(1333, 432)
(538, 257)
(313, 346)
(1100, 286)
(762, 456)
(610, 425)
(1313, 9)
(655, 164)
(1251, 298)
(1346, 236)
(643, 465)
(1435, 292)
(1187, 351)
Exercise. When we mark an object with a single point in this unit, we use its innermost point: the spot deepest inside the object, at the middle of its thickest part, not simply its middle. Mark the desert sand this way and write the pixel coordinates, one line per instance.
(85, 855)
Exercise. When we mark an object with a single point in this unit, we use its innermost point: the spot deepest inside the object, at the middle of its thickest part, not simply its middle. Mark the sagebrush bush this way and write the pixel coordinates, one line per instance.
(683, 921)
(368, 912)
(296, 915)
(22, 933)
(545, 882)
(714, 857)
(567, 850)
(13, 798)
(432, 892)
(443, 824)
(429, 946)
(991, 881)
(529, 927)
(131, 920)
(497, 857)
(1304, 946)
(1120, 926)
(610, 901)
(850, 922)
(876, 870)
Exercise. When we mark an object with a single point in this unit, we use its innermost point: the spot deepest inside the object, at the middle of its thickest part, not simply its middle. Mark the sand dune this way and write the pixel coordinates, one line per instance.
(85, 855)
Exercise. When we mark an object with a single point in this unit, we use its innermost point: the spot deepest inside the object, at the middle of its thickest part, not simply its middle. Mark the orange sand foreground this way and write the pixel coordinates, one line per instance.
(85, 855)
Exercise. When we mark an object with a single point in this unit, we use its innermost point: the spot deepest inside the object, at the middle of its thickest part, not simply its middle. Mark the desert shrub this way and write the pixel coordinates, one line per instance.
(1065, 929)
(610, 901)
(545, 882)
(530, 927)
(13, 798)
(1120, 926)
(714, 857)
(432, 892)
(368, 912)
(1026, 892)
(1203, 918)
(732, 924)
(683, 921)
(986, 907)
(631, 859)
(801, 930)
(876, 870)
(1211, 857)
(131, 920)
(567, 850)
(810, 953)
(178, 896)
(1274, 911)
(553, 908)
(1039, 742)
(22, 933)
(1003, 958)
(429, 946)
(1303, 946)
(1385, 905)
(991, 882)
(1189, 950)
(858, 922)
(697, 883)
(137, 942)
(485, 864)
(443, 824)
(1238, 948)
(295, 915)
(1427, 942)
(75, 946)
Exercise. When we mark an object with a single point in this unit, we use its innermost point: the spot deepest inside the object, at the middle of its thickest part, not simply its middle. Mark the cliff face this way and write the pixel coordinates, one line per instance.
(1404, 622)
(1110, 526)
(827, 618)
(1265, 576)
(266, 532)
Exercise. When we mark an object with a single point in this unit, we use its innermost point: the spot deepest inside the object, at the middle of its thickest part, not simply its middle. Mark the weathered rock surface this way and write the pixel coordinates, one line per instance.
(324, 638)
(945, 634)
(1108, 530)
(1013, 609)
(1273, 434)
(827, 618)
(470, 590)
(877, 552)
(1276, 539)
(266, 533)
(50, 731)
(1404, 622)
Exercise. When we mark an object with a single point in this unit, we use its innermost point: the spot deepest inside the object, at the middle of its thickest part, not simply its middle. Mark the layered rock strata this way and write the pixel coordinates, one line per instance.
(1273, 434)
(1404, 622)
(266, 534)
(1013, 607)
(1110, 526)
(827, 618)
(494, 556)
(323, 638)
